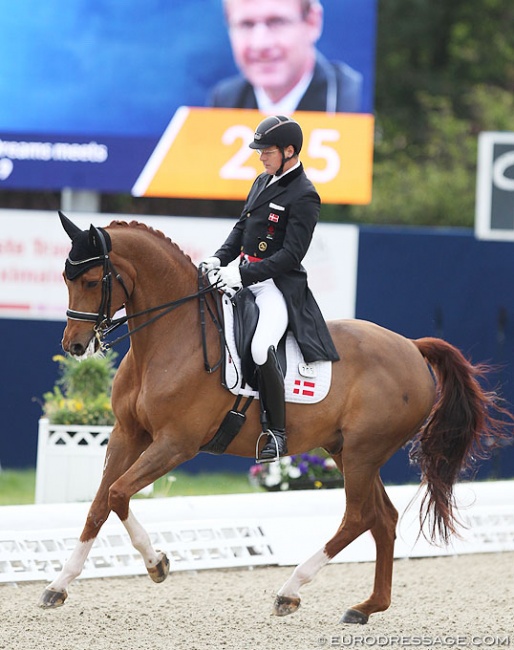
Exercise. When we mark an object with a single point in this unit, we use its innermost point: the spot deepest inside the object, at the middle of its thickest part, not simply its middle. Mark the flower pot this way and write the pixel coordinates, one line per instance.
(70, 460)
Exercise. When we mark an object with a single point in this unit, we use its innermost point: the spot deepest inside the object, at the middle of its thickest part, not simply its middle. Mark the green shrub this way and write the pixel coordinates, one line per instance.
(82, 393)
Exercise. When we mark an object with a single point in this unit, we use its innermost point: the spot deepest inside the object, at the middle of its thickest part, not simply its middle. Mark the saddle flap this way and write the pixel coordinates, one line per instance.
(246, 315)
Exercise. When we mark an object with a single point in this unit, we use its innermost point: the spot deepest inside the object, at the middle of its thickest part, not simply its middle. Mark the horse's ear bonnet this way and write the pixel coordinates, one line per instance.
(88, 248)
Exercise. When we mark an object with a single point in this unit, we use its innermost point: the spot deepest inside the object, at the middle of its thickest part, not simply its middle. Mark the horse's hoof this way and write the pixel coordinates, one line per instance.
(51, 598)
(284, 605)
(161, 570)
(354, 616)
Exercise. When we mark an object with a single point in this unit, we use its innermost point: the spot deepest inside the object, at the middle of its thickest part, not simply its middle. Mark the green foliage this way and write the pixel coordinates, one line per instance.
(444, 73)
(82, 394)
(432, 181)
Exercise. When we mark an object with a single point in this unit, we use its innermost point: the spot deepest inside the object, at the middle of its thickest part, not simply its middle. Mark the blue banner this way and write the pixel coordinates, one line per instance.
(103, 73)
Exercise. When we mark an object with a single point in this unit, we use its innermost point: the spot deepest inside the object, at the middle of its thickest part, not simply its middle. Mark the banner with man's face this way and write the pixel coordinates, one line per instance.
(107, 96)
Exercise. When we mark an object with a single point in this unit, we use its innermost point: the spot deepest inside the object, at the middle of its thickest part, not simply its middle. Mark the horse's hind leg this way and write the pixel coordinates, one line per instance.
(384, 534)
(360, 516)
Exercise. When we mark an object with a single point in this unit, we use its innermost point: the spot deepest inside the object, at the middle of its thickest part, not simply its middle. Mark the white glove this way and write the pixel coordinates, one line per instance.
(210, 264)
(229, 280)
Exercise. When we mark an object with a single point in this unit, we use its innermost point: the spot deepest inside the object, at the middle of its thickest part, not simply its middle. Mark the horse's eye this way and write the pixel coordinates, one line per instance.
(92, 284)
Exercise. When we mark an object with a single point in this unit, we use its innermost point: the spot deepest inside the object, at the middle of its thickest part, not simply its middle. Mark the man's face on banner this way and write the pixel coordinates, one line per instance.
(273, 42)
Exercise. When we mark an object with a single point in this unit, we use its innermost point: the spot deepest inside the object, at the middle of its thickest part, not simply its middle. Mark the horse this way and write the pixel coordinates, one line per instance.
(386, 390)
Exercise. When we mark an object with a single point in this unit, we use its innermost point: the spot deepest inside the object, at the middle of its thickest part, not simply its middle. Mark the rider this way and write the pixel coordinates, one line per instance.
(271, 239)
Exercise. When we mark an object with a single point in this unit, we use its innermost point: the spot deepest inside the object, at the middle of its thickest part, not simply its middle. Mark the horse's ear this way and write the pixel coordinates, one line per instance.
(71, 229)
(95, 238)
(99, 239)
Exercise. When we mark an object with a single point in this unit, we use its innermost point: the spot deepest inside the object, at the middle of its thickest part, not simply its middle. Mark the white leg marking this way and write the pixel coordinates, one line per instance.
(73, 566)
(141, 541)
(303, 574)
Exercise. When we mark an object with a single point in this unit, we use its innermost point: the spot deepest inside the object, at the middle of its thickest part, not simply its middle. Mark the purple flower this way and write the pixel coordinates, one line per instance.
(303, 467)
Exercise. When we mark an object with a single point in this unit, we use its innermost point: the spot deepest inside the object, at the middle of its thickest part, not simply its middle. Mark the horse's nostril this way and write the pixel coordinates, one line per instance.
(77, 349)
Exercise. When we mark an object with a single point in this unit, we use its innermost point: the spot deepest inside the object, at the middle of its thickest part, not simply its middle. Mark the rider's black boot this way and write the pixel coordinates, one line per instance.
(272, 395)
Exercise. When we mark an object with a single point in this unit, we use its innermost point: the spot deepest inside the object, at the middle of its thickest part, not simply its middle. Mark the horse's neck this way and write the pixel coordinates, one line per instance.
(161, 271)
(157, 284)
(162, 274)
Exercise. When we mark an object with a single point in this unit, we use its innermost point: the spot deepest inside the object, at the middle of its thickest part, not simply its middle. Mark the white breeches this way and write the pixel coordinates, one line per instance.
(272, 319)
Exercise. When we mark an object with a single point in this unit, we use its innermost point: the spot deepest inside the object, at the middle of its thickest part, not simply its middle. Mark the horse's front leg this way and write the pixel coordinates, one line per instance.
(159, 459)
(156, 562)
(117, 458)
(57, 591)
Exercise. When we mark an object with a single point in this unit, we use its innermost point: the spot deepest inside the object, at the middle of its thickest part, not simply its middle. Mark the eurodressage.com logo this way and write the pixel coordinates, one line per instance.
(414, 641)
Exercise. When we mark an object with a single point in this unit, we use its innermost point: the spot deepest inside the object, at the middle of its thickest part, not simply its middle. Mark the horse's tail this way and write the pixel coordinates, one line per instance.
(465, 424)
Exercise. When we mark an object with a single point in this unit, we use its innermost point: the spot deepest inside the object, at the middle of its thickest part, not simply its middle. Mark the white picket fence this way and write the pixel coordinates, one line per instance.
(280, 528)
(70, 461)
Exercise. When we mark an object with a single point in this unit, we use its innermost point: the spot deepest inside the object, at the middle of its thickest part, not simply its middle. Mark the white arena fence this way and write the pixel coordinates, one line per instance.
(241, 530)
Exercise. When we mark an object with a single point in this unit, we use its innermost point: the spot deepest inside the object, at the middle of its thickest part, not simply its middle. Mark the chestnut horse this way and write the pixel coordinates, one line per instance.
(383, 394)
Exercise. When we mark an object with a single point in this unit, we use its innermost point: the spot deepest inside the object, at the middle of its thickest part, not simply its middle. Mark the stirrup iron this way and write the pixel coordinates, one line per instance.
(260, 461)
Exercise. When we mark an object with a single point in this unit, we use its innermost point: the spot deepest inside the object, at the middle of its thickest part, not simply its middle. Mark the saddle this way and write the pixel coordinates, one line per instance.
(305, 383)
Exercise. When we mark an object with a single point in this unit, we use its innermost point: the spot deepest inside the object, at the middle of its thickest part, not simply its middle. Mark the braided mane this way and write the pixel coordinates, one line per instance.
(137, 225)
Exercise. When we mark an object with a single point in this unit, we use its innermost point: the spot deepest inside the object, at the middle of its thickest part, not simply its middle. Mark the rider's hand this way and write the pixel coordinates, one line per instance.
(229, 280)
(210, 264)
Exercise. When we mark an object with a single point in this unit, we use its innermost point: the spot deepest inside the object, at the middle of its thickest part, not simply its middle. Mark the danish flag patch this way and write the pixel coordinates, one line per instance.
(302, 387)
(273, 217)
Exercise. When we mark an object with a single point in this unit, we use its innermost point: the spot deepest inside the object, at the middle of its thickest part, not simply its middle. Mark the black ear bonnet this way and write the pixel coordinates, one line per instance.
(89, 248)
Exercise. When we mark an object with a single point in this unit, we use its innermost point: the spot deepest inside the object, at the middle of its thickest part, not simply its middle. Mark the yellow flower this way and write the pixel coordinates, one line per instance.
(318, 484)
(78, 405)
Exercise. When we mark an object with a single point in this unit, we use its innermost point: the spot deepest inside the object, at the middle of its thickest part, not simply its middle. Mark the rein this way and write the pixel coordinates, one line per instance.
(216, 319)
(104, 324)
(108, 326)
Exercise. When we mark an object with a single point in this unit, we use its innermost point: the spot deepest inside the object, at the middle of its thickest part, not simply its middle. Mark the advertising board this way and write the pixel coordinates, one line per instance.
(90, 93)
(494, 213)
(34, 247)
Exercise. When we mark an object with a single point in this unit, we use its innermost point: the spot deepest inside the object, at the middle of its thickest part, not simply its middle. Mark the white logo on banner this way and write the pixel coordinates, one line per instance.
(6, 168)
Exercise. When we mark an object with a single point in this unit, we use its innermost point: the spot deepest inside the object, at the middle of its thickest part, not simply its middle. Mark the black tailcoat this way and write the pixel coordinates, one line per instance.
(276, 225)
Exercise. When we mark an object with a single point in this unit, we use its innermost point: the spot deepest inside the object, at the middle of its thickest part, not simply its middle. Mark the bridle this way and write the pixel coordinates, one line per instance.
(101, 318)
(104, 324)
